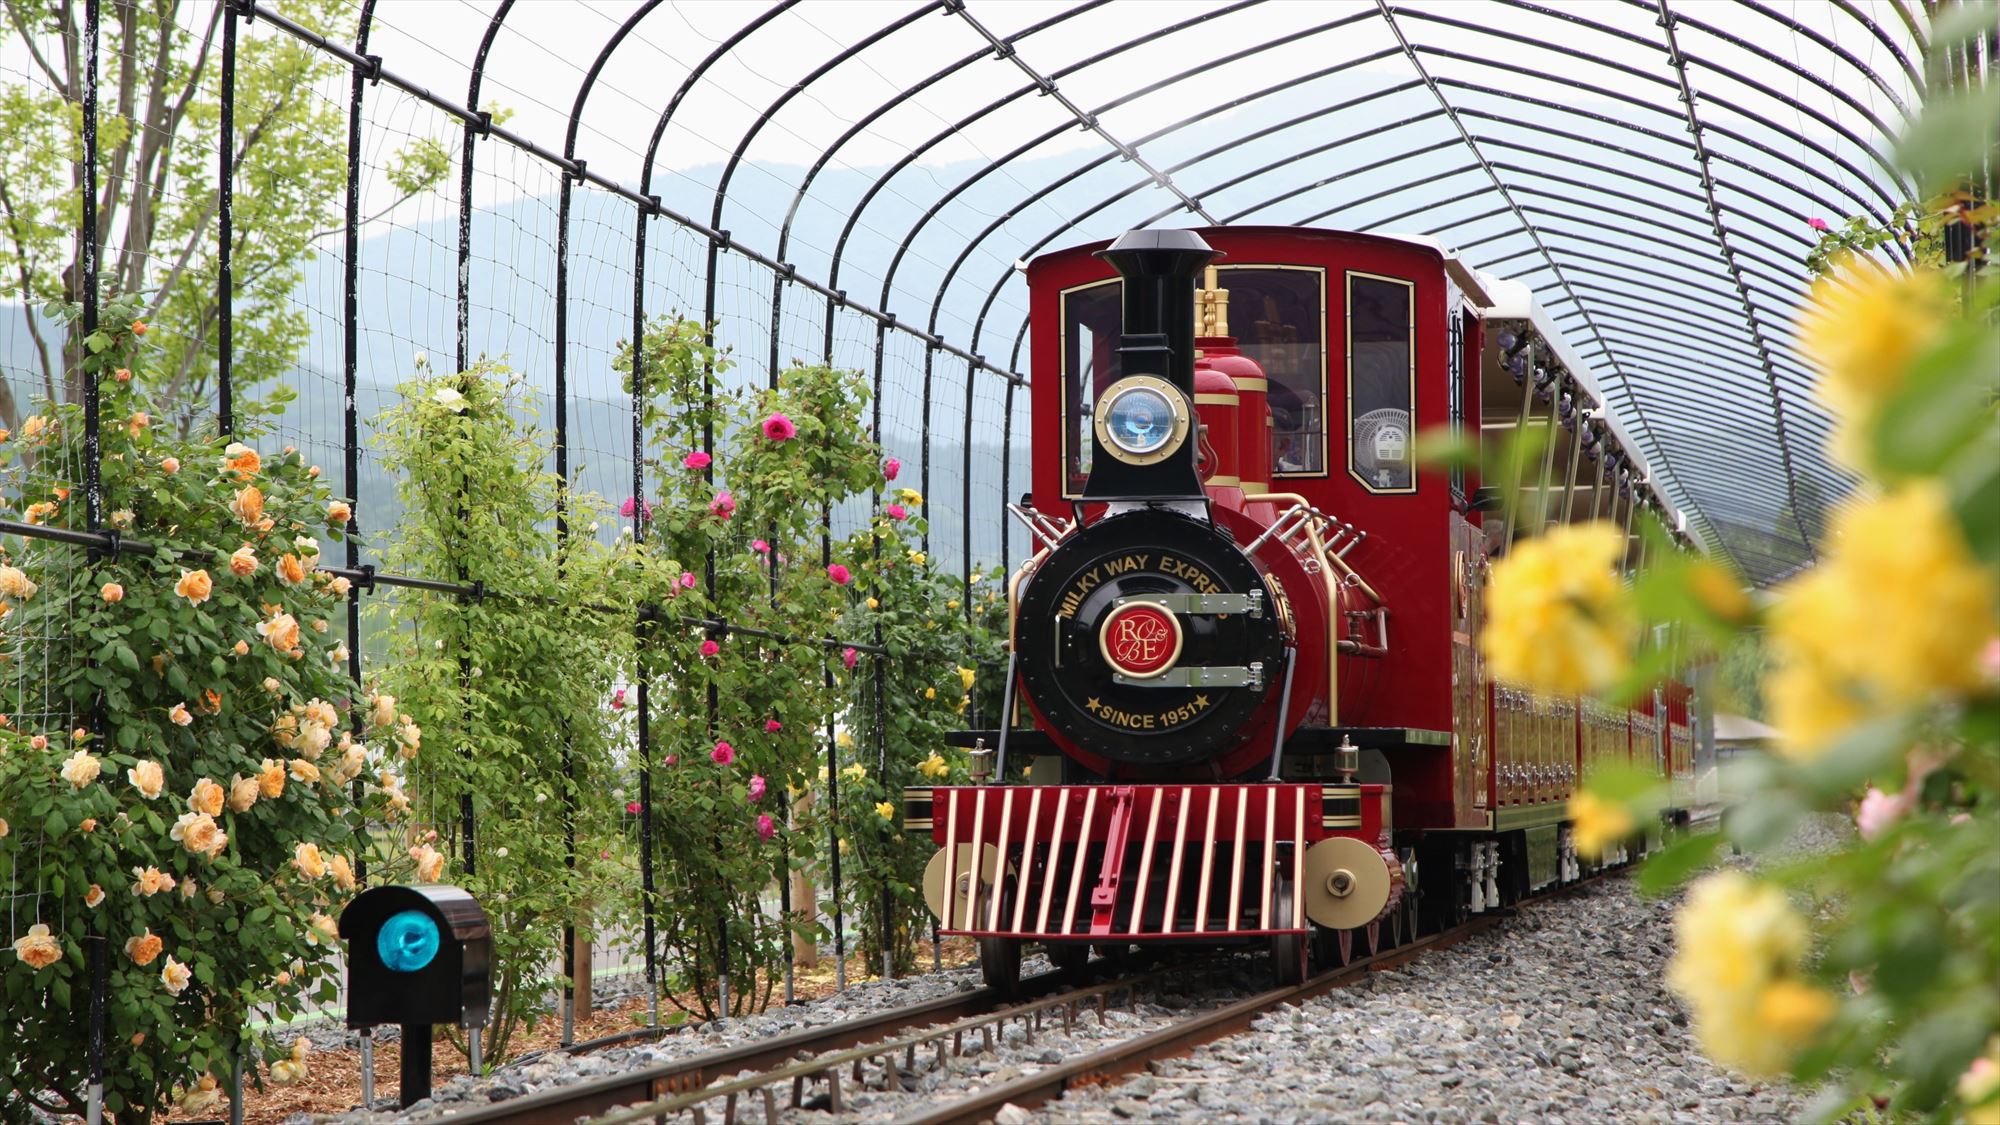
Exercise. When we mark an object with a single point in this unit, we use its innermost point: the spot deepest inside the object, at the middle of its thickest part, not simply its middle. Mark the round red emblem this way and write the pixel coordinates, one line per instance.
(1140, 640)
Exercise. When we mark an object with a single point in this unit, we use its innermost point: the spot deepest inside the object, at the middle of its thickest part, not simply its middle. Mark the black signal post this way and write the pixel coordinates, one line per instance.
(417, 957)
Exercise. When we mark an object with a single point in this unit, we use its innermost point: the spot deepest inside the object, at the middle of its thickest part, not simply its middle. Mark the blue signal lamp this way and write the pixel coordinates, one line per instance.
(408, 941)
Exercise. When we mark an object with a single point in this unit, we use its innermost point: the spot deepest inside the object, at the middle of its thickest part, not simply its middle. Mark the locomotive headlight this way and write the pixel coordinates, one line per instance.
(1142, 419)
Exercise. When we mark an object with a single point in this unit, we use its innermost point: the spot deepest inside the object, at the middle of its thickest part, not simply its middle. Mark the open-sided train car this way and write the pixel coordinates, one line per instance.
(1244, 665)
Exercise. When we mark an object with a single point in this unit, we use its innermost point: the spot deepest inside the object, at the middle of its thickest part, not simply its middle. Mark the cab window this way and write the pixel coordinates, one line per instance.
(1381, 382)
(1278, 316)
(1092, 317)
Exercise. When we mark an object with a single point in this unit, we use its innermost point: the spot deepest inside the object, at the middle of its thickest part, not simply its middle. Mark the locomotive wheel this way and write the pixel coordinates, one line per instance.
(1071, 958)
(1291, 954)
(1000, 964)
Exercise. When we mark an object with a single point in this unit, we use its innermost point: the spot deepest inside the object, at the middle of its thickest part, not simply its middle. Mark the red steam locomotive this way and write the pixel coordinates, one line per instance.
(1245, 695)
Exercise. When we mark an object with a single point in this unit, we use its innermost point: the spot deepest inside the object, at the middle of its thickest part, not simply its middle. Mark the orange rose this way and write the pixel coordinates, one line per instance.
(291, 571)
(112, 592)
(338, 513)
(195, 586)
(248, 506)
(180, 715)
(243, 562)
(271, 778)
(197, 832)
(241, 459)
(149, 881)
(170, 465)
(37, 949)
(138, 328)
(211, 703)
(136, 424)
(281, 633)
(206, 798)
(123, 374)
(144, 948)
(242, 793)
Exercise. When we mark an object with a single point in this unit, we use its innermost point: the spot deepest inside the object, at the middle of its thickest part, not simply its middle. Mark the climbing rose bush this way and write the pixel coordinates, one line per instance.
(1868, 972)
(181, 754)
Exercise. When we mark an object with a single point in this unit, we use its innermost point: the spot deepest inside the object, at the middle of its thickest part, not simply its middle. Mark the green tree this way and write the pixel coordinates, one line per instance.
(159, 131)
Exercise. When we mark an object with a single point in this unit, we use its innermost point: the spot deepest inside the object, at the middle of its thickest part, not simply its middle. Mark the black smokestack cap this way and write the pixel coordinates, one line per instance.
(1159, 268)
(1145, 432)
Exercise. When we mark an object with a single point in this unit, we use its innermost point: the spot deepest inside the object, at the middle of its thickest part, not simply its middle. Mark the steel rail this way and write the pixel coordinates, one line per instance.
(563, 1105)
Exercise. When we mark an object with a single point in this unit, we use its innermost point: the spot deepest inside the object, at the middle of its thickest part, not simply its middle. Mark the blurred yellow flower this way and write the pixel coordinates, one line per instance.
(1898, 613)
(1719, 591)
(930, 693)
(934, 766)
(80, 769)
(855, 772)
(1596, 823)
(965, 678)
(916, 558)
(910, 496)
(206, 798)
(175, 976)
(886, 810)
(844, 740)
(1738, 949)
(1863, 328)
(307, 859)
(147, 778)
(1559, 619)
(293, 1067)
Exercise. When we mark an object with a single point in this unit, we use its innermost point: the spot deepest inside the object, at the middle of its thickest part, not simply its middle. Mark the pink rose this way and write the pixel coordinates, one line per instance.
(847, 659)
(687, 580)
(773, 726)
(757, 786)
(839, 574)
(897, 512)
(670, 759)
(759, 546)
(766, 827)
(779, 428)
(631, 505)
(1816, 224)
(723, 754)
(697, 460)
(724, 505)
(1877, 812)
(618, 700)
(710, 648)
(633, 807)
(890, 468)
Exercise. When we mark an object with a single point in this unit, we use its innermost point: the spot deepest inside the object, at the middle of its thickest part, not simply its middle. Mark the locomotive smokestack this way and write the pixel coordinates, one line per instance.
(1145, 419)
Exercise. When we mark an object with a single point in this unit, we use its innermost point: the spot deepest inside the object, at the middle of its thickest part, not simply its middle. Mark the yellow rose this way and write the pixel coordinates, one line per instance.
(207, 798)
(910, 496)
(149, 881)
(37, 949)
(307, 859)
(144, 948)
(80, 769)
(916, 558)
(338, 513)
(1719, 591)
(147, 778)
(1597, 824)
(965, 678)
(291, 571)
(1863, 328)
(195, 586)
(874, 604)
(175, 976)
(886, 810)
(930, 693)
(303, 770)
(93, 896)
(1559, 619)
(180, 715)
(243, 561)
(1900, 575)
(934, 766)
(1739, 945)
(343, 872)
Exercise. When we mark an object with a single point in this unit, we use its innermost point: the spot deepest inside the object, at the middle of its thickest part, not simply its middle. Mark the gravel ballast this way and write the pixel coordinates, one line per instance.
(1558, 1015)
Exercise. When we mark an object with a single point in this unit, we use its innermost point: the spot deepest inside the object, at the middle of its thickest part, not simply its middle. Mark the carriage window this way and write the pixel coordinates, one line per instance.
(1381, 381)
(1278, 317)
(1091, 318)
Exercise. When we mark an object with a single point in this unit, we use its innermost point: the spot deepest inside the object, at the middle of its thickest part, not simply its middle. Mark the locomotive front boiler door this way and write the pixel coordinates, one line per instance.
(1149, 638)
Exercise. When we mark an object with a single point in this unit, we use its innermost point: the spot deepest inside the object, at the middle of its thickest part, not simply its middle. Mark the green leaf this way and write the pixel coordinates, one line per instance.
(1678, 861)
(1946, 403)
